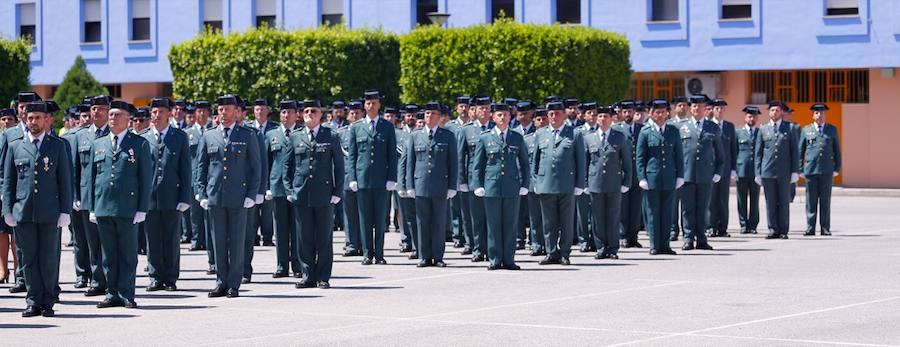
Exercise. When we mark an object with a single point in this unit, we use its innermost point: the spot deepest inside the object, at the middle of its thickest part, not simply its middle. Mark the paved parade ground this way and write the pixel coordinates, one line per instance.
(840, 290)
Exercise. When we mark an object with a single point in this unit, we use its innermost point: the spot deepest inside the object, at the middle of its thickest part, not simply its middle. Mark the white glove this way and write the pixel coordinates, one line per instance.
(450, 194)
(716, 178)
(197, 197)
(76, 205)
(479, 192)
(139, 217)
(625, 189)
(758, 181)
(92, 217)
(181, 207)
(794, 177)
(269, 195)
(204, 204)
(259, 199)
(679, 182)
(578, 191)
(835, 174)
(411, 193)
(644, 185)
(335, 200)
(354, 186)
(390, 186)
(291, 198)
(464, 187)
(64, 220)
(401, 193)
(734, 175)
(248, 203)
(802, 176)
(524, 191)
(8, 218)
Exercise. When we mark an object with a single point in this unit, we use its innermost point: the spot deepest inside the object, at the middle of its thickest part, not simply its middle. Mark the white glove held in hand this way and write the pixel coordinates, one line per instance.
(139, 217)
(390, 186)
(354, 186)
(479, 192)
(524, 191)
(679, 182)
(8, 218)
(644, 185)
(625, 189)
(248, 203)
(181, 207)
(63, 221)
(335, 200)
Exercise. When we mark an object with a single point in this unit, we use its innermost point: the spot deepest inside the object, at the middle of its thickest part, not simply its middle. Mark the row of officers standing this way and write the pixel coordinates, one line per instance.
(499, 176)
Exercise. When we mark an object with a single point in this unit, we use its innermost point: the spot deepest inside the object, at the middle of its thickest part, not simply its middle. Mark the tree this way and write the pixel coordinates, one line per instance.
(14, 68)
(77, 84)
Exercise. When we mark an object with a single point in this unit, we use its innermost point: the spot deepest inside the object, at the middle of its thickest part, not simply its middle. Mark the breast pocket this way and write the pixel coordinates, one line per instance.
(239, 149)
(22, 167)
(362, 145)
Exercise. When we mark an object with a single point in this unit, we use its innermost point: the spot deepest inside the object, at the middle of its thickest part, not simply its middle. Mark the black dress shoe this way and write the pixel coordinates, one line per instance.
(810, 233)
(667, 252)
(130, 304)
(194, 248)
(323, 285)
(826, 232)
(353, 253)
(367, 261)
(784, 236)
(380, 261)
(405, 249)
(48, 312)
(18, 288)
(466, 251)
(653, 251)
(512, 267)
(724, 233)
(80, 284)
(745, 231)
(753, 231)
(171, 287)
(478, 258)
(298, 275)
(440, 263)
(537, 253)
(520, 246)
(492, 267)
(704, 246)
(245, 280)
(673, 238)
(232, 293)
(423, 263)
(548, 260)
(184, 241)
(142, 252)
(413, 256)
(584, 249)
(146, 268)
(637, 245)
(687, 247)
(217, 293)
(613, 256)
(601, 256)
(31, 311)
(269, 244)
(565, 261)
(458, 244)
(109, 303)
(211, 271)
(95, 292)
(279, 274)
(155, 286)
(772, 235)
(301, 285)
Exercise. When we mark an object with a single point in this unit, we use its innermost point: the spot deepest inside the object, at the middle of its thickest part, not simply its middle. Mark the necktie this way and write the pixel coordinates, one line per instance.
(555, 134)
(698, 124)
(430, 135)
(287, 132)
(603, 137)
(503, 136)
(226, 132)
(115, 143)
(373, 124)
(312, 135)
(821, 128)
(159, 138)
(36, 143)
(98, 132)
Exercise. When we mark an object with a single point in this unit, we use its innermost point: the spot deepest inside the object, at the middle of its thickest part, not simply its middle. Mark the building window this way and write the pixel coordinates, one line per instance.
(505, 7)
(332, 12)
(664, 10)
(568, 11)
(809, 86)
(115, 90)
(27, 22)
(656, 85)
(423, 8)
(842, 8)
(265, 13)
(140, 20)
(93, 25)
(736, 9)
(212, 15)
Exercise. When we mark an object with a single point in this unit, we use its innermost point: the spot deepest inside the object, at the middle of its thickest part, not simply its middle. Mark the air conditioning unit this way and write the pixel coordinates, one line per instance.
(702, 84)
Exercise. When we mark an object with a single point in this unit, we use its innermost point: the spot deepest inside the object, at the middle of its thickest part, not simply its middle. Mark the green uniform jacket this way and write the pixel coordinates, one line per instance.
(820, 151)
(314, 169)
(560, 161)
(501, 167)
(660, 160)
(37, 184)
(609, 162)
(119, 181)
(373, 154)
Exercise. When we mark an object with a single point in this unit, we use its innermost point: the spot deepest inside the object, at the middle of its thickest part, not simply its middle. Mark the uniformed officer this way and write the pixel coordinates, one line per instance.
(560, 169)
(660, 172)
(631, 200)
(430, 176)
(82, 260)
(535, 221)
(571, 112)
(120, 180)
(747, 189)
(820, 150)
(140, 125)
(373, 165)
(252, 227)
(406, 203)
(583, 223)
(701, 141)
(169, 197)
(352, 231)
(718, 203)
(264, 214)
(609, 176)
(202, 228)
(287, 251)
(461, 220)
(501, 176)
(467, 139)
(228, 180)
(524, 125)
(314, 180)
(336, 120)
(37, 195)
(788, 117)
(777, 166)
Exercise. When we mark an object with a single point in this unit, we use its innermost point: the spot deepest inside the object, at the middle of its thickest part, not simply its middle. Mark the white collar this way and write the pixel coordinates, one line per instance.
(161, 133)
(313, 131)
(40, 137)
(372, 119)
(502, 134)
(558, 130)
(656, 127)
(120, 137)
(480, 124)
(605, 133)
(748, 127)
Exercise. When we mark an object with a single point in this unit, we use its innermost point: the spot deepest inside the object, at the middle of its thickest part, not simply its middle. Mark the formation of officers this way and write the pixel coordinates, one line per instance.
(498, 177)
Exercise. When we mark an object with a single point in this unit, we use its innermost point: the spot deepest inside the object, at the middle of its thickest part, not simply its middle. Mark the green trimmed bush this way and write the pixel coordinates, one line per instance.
(527, 61)
(77, 84)
(15, 59)
(325, 63)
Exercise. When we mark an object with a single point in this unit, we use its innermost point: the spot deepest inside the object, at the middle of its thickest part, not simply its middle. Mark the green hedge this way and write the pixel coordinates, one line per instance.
(15, 65)
(326, 63)
(527, 61)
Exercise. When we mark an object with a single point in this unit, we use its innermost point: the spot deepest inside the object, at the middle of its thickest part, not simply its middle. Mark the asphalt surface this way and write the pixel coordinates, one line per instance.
(839, 290)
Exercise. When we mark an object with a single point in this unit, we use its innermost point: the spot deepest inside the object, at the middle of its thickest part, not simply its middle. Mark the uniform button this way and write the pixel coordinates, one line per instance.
(224, 177)
(604, 171)
(225, 168)
(113, 167)
(310, 176)
(112, 184)
(429, 171)
(663, 166)
(226, 149)
(35, 190)
(132, 193)
(112, 175)
(35, 182)
(160, 169)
